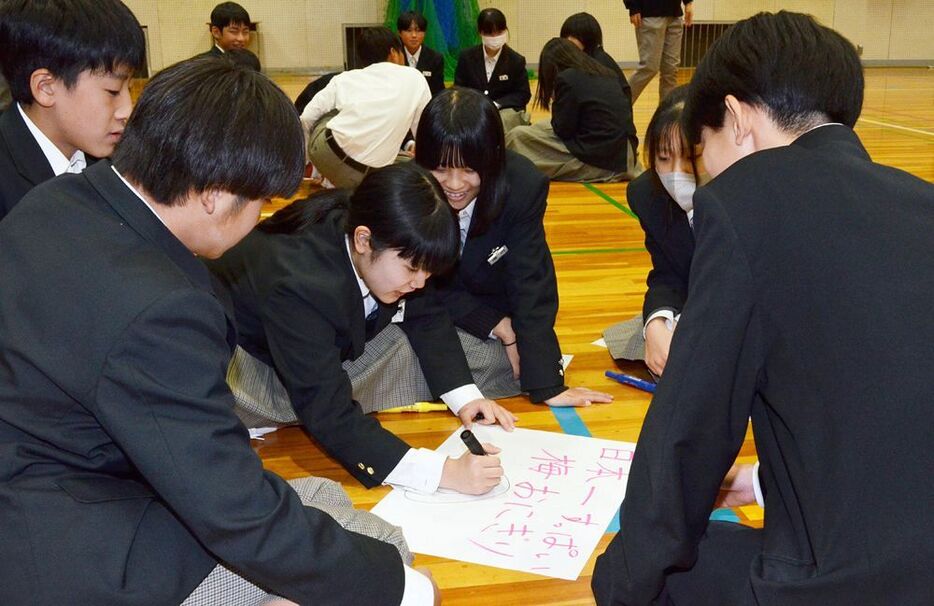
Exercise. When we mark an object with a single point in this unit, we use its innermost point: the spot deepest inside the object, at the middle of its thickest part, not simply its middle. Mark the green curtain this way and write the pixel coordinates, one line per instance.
(452, 26)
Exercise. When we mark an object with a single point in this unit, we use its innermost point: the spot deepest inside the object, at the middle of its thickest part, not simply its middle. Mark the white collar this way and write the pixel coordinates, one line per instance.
(138, 195)
(467, 211)
(495, 57)
(821, 126)
(52, 153)
(364, 291)
(413, 59)
(217, 46)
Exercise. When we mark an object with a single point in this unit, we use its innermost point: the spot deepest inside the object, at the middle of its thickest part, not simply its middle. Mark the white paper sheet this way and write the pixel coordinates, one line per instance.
(558, 496)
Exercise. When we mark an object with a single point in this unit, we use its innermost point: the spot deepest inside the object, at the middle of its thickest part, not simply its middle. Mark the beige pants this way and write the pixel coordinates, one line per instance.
(513, 117)
(659, 41)
(547, 151)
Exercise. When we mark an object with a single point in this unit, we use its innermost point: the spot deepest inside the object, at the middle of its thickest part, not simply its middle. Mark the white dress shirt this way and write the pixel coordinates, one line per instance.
(413, 59)
(421, 468)
(464, 216)
(490, 62)
(377, 106)
(57, 160)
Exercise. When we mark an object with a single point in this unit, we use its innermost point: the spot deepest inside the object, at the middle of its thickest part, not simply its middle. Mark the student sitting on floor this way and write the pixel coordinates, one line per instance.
(590, 136)
(494, 69)
(810, 282)
(69, 78)
(230, 28)
(503, 293)
(315, 285)
(360, 119)
(662, 198)
(584, 31)
(125, 476)
(412, 27)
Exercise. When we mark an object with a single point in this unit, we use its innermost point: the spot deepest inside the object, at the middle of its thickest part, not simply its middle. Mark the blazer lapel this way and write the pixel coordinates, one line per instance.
(27, 156)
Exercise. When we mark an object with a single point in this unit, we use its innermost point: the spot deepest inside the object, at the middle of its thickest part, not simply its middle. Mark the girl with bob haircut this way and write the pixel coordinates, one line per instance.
(503, 294)
(496, 70)
(330, 281)
(662, 198)
(591, 136)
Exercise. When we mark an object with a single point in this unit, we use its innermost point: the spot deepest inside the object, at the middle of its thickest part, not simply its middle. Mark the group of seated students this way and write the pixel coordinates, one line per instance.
(145, 315)
(373, 118)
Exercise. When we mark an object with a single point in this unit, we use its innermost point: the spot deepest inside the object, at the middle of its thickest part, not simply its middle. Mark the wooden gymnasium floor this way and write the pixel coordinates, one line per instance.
(602, 263)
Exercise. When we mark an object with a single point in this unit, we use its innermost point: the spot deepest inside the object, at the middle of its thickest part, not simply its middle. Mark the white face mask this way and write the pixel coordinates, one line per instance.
(494, 43)
(680, 186)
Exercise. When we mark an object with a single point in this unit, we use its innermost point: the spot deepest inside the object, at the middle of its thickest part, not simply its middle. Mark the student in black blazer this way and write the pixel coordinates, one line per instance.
(585, 32)
(507, 83)
(125, 477)
(50, 61)
(662, 198)
(412, 27)
(504, 285)
(296, 283)
(591, 136)
(810, 280)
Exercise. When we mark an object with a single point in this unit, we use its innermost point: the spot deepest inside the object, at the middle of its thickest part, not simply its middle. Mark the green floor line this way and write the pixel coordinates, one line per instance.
(595, 251)
(611, 200)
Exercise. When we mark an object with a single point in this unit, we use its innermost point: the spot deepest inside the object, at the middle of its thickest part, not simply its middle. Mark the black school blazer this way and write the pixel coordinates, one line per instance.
(509, 83)
(299, 309)
(521, 284)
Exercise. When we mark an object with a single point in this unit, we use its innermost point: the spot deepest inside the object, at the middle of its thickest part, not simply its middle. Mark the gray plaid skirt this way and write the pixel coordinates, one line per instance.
(625, 341)
(387, 375)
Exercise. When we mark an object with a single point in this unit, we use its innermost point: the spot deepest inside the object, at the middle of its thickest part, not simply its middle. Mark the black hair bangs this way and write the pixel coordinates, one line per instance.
(205, 124)
(67, 37)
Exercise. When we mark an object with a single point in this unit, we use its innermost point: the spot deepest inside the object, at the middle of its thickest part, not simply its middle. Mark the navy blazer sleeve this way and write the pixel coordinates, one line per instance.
(518, 93)
(565, 110)
(432, 61)
(669, 240)
(695, 425)
(301, 341)
(163, 398)
(435, 342)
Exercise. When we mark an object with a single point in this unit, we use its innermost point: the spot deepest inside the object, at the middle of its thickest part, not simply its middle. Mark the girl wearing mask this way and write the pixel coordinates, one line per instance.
(496, 70)
(662, 197)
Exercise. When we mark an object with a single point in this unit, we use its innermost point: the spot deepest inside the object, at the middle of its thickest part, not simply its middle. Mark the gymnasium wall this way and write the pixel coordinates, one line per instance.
(305, 35)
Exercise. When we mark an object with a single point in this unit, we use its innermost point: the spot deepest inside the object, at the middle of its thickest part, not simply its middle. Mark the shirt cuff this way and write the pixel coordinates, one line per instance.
(458, 398)
(664, 312)
(419, 470)
(756, 486)
(418, 589)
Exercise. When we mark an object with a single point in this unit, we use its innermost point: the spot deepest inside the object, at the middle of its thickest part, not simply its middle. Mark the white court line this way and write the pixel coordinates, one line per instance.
(896, 126)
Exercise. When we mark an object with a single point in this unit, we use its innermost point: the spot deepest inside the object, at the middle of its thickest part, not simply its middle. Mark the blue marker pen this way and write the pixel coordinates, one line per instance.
(631, 381)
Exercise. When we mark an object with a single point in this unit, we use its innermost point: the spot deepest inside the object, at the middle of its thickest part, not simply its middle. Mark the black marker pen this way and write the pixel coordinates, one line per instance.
(471, 442)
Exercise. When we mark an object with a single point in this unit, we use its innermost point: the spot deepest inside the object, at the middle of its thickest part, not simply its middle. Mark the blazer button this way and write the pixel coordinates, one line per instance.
(361, 466)
(369, 470)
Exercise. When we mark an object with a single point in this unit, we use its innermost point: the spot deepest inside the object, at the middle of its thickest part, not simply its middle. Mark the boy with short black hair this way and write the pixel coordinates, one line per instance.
(361, 118)
(68, 64)
(412, 27)
(811, 278)
(230, 27)
(125, 476)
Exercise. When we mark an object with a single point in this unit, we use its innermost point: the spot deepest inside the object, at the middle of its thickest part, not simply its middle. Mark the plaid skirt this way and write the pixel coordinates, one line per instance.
(385, 376)
(625, 341)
